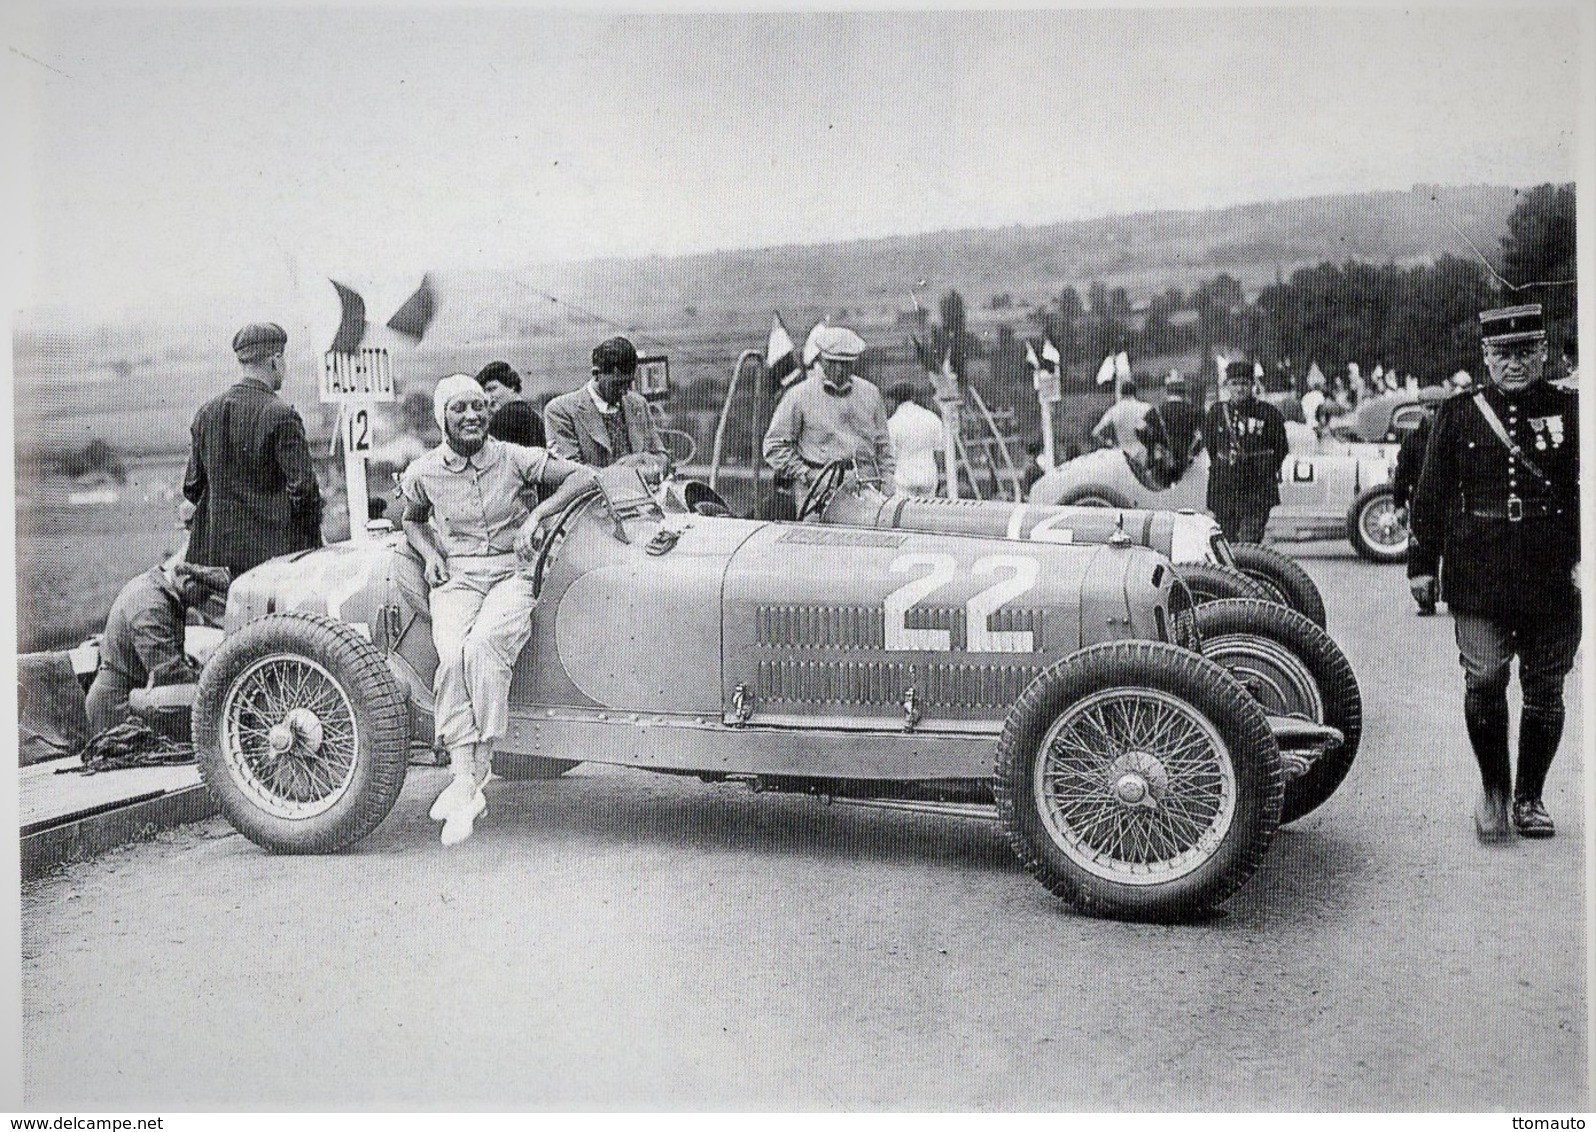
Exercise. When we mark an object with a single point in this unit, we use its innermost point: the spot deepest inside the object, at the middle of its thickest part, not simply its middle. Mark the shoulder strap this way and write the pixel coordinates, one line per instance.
(1507, 441)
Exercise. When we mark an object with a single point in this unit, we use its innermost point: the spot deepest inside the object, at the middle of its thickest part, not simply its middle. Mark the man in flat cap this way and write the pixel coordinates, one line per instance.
(832, 415)
(249, 472)
(605, 421)
(1246, 441)
(1496, 516)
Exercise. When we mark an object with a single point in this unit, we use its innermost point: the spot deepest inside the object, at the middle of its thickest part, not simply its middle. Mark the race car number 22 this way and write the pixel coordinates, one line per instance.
(1016, 575)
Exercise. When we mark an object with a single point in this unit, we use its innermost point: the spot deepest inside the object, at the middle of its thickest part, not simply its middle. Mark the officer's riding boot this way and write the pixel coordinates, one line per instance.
(1539, 732)
(1485, 714)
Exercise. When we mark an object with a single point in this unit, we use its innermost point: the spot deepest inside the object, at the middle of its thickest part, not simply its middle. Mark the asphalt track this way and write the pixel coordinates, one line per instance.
(616, 940)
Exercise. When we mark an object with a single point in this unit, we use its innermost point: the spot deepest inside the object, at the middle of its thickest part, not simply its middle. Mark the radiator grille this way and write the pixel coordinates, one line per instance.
(984, 687)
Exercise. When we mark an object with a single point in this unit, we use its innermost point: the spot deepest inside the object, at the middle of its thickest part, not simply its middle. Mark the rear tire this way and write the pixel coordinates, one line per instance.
(1376, 532)
(1138, 780)
(1288, 583)
(1291, 667)
(1208, 582)
(1095, 497)
(301, 733)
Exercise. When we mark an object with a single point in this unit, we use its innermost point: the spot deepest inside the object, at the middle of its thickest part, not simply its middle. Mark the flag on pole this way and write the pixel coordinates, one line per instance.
(924, 354)
(1050, 354)
(812, 344)
(1122, 368)
(352, 325)
(1105, 372)
(781, 355)
(1221, 361)
(1258, 370)
(944, 381)
(1030, 356)
(413, 318)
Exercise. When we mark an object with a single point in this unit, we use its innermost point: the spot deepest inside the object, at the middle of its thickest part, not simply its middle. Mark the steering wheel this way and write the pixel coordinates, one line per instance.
(823, 487)
(553, 533)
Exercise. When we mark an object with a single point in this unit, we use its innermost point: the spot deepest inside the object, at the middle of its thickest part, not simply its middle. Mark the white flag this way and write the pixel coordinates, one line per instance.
(1105, 372)
(1050, 354)
(1030, 356)
(1122, 368)
(1257, 369)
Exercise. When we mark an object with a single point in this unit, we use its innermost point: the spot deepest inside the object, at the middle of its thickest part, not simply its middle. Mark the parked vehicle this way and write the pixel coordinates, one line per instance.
(1321, 496)
(1059, 688)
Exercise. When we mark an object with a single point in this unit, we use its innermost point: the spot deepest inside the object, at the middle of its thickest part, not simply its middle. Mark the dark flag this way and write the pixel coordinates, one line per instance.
(412, 319)
(352, 328)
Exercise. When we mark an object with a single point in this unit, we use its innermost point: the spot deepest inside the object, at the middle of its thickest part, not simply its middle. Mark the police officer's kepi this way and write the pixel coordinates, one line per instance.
(1512, 324)
(259, 341)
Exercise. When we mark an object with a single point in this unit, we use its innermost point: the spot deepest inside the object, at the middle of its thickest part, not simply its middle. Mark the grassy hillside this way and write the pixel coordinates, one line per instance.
(137, 387)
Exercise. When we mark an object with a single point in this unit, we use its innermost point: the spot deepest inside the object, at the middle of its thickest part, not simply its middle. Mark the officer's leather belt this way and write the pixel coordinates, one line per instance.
(1514, 509)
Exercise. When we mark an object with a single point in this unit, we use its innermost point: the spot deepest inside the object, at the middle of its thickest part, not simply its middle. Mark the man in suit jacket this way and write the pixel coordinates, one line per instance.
(605, 422)
(249, 473)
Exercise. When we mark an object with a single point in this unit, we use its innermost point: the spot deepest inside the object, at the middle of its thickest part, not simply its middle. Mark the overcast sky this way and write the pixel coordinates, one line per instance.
(202, 152)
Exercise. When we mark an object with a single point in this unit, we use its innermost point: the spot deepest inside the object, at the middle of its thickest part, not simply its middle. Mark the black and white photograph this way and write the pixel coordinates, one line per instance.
(634, 559)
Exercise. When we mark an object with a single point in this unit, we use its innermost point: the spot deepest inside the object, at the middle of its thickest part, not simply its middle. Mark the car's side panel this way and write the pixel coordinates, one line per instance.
(707, 745)
(835, 627)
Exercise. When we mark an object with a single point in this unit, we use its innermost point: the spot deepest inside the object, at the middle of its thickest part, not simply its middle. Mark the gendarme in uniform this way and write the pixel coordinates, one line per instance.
(1496, 514)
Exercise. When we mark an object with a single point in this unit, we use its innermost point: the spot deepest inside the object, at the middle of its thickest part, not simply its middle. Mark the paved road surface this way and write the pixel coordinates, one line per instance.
(621, 940)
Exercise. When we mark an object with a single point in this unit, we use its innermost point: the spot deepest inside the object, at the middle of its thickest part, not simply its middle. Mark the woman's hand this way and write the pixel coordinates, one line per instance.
(437, 571)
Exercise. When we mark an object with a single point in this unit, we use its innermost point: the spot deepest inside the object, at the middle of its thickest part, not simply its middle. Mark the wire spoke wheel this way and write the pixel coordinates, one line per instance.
(289, 736)
(1381, 525)
(301, 733)
(1277, 677)
(1135, 785)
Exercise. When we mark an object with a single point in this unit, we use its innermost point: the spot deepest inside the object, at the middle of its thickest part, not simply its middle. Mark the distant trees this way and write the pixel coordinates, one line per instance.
(1539, 248)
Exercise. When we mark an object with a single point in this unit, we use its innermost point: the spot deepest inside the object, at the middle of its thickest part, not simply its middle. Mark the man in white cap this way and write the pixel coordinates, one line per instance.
(470, 514)
(831, 415)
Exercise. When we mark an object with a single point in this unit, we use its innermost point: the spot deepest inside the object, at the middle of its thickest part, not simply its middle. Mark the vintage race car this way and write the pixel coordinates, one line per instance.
(1278, 651)
(1057, 687)
(1334, 496)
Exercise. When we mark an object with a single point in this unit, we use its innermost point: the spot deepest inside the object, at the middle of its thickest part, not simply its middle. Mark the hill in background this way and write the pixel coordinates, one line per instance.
(137, 387)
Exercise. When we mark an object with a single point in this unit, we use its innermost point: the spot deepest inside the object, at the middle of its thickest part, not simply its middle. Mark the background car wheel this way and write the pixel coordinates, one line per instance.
(1288, 583)
(1139, 780)
(1095, 497)
(1376, 531)
(1291, 667)
(301, 733)
(1208, 582)
(514, 767)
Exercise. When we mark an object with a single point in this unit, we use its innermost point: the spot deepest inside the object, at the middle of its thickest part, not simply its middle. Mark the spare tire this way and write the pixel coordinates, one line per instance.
(301, 733)
(1291, 667)
(1288, 583)
(1208, 582)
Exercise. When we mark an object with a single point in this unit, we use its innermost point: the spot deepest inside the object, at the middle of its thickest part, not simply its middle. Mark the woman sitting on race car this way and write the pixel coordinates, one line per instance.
(468, 515)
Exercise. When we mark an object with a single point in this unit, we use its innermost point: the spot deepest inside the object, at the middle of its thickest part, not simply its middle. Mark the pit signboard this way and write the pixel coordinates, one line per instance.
(363, 377)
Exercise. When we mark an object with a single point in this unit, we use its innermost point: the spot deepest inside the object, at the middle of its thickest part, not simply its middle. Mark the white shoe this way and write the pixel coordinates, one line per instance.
(454, 795)
(460, 823)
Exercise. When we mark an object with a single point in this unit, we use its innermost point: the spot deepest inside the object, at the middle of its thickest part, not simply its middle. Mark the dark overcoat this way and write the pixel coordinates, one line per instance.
(250, 480)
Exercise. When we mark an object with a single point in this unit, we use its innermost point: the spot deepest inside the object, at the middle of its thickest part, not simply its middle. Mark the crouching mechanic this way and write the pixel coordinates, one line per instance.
(143, 641)
(468, 514)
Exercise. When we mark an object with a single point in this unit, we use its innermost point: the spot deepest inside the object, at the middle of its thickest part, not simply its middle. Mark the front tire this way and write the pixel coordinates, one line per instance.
(1287, 583)
(1138, 780)
(1291, 667)
(1218, 583)
(1377, 533)
(301, 733)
